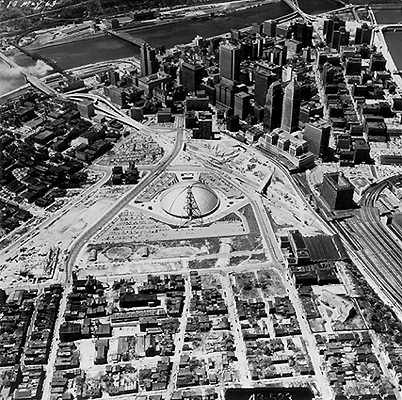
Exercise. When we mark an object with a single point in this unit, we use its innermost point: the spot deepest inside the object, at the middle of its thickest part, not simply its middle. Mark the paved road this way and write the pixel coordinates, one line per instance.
(241, 349)
(33, 80)
(81, 241)
(107, 107)
(179, 342)
(16, 245)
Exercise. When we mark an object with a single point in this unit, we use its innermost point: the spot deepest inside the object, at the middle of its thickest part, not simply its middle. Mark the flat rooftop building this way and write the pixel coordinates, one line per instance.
(337, 191)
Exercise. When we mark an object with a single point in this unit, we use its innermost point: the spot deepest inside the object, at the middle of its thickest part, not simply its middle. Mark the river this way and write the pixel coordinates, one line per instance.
(90, 51)
(393, 40)
(317, 6)
(388, 16)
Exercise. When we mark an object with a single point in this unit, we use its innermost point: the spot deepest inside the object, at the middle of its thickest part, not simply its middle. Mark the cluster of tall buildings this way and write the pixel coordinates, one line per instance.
(263, 75)
(149, 63)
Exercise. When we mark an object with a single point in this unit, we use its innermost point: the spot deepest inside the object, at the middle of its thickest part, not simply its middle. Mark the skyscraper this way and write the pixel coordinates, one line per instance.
(337, 191)
(262, 80)
(149, 63)
(317, 136)
(340, 38)
(330, 26)
(291, 107)
(269, 28)
(229, 63)
(273, 106)
(191, 76)
(363, 34)
(242, 104)
(303, 32)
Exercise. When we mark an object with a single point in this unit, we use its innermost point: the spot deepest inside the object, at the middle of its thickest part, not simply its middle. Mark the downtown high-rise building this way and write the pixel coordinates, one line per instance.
(273, 106)
(291, 107)
(191, 75)
(229, 61)
(363, 34)
(262, 81)
(149, 63)
(317, 135)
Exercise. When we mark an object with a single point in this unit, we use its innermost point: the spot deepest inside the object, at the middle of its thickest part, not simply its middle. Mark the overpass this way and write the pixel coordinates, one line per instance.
(126, 37)
(106, 107)
(33, 80)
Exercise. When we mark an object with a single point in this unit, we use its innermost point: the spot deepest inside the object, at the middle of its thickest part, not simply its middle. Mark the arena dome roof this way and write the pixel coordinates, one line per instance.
(189, 199)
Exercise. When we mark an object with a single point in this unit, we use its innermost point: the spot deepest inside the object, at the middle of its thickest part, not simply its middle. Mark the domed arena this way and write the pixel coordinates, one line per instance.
(189, 199)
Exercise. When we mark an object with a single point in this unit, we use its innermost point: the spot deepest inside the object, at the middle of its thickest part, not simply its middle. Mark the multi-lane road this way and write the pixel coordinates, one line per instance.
(81, 241)
(33, 80)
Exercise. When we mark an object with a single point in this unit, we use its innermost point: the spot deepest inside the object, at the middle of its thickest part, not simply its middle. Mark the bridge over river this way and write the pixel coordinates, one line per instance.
(126, 37)
(33, 80)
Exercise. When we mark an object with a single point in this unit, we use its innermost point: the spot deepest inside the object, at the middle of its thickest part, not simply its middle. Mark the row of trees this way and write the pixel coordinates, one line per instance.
(379, 315)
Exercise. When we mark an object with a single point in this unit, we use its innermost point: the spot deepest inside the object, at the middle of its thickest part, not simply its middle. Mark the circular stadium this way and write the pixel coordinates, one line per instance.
(189, 199)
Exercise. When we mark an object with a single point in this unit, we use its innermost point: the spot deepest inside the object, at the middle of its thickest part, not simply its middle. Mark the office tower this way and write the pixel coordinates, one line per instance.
(225, 94)
(293, 47)
(242, 104)
(330, 26)
(377, 62)
(114, 77)
(117, 96)
(337, 191)
(362, 151)
(149, 63)
(137, 113)
(262, 81)
(317, 136)
(86, 109)
(229, 63)
(363, 34)
(270, 67)
(269, 28)
(291, 107)
(256, 28)
(340, 38)
(303, 32)
(191, 76)
(353, 65)
(277, 55)
(257, 47)
(204, 126)
(232, 123)
(273, 106)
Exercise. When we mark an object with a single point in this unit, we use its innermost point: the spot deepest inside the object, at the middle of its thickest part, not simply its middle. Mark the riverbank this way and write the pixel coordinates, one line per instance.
(103, 48)
(226, 8)
(93, 50)
(387, 15)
